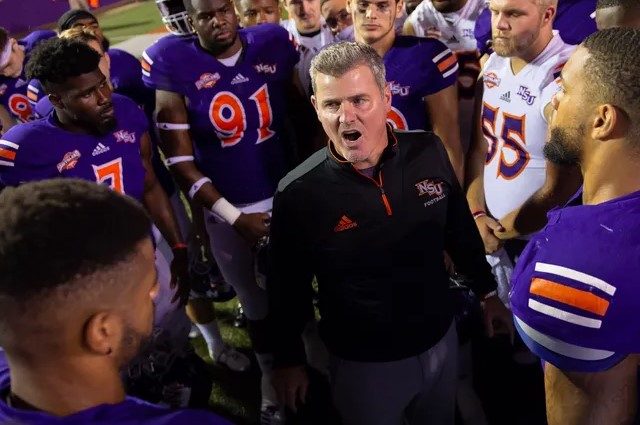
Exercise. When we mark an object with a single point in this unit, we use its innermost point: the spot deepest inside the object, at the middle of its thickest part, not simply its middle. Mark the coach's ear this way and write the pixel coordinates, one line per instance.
(314, 102)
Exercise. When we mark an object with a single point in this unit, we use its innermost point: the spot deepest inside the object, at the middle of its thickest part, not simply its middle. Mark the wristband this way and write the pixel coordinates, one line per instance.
(478, 213)
(179, 246)
(197, 186)
(491, 294)
(224, 209)
(172, 126)
(177, 159)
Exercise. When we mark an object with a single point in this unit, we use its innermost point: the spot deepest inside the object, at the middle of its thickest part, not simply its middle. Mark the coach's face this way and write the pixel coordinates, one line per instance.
(573, 111)
(12, 68)
(353, 111)
(516, 25)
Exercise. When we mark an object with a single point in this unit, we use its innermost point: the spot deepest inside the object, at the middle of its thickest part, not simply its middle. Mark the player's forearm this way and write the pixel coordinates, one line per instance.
(529, 217)
(157, 204)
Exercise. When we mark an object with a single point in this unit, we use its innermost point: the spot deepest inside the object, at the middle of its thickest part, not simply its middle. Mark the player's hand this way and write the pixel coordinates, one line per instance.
(180, 276)
(253, 226)
(291, 385)
(497, 318)
(487, 227)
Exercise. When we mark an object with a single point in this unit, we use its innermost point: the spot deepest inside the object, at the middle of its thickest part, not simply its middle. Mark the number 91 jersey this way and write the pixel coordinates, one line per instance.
(236, 113)
(514, 126)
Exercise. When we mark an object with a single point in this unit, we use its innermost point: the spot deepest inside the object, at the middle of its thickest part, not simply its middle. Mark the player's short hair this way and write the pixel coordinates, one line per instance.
(613, 69)
(58, 235)
(4, 38)
(84, 35)
(56, 60)
(624, 4)
(340, 58)
(70, 17)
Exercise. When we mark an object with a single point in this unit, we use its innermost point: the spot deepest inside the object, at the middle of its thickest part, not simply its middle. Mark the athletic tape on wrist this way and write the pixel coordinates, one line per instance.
(224, 209)
(197, 185)
(178, 159)
(172, 126)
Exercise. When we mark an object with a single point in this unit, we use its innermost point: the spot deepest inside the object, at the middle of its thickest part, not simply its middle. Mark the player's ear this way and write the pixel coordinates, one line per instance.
(609, 123)
(102, 333)
(549, 14)
(399, 7)
(55, 100)
(349, 8)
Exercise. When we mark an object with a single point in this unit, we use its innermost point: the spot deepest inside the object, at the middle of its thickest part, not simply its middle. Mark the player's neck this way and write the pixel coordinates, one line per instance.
(232, 50)
(610, 175)
(68, 124)
(528, 56)
(381, 46)
(65, 389)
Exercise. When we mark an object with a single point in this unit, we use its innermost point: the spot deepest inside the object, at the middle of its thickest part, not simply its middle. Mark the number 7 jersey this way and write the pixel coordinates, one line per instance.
(514, 126)
(236, 113)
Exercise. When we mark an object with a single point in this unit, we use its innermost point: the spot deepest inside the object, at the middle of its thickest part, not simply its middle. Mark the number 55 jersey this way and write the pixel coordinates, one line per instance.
(236, 113)
(514, 125)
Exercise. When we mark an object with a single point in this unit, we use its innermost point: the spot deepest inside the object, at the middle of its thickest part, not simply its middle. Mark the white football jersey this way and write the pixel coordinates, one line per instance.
(514, 125)
(309, 47)
(455, 29)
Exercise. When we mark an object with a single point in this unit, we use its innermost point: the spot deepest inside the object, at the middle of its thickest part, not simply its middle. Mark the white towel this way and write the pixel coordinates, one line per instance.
(502, 268)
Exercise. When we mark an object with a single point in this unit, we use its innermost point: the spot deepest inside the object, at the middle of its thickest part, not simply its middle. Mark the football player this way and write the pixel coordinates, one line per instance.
(77, 291)
(338, 18)
(573, 299)
(453, 22)
(221, 96)
(94, 136)
(255, 12)
(574, 21)
(14, 54)
(422, 73)
(533, 213)
(311, 33)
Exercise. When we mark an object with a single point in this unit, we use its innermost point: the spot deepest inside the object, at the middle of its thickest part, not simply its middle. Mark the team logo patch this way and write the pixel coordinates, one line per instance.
(207, 80)
(525, 94)
(69, 161)
(345, 223)
(468, 33)
(125, 136)
(3, 89)
(434, 190)
(263, 68)
(398, 90)
(491, 80)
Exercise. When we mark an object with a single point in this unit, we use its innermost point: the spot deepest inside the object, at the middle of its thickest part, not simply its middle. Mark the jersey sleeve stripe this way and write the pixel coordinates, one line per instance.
(32, 96)
(574, 297)
(145, 65)
(577, 276)
(565, 316)
(9, 144)
(561, 347)
(146, 73)
(33, 89)
(451, 71)
(445, 64)
(146, 57)
(7, 154)
(442, 55)
(6, 163)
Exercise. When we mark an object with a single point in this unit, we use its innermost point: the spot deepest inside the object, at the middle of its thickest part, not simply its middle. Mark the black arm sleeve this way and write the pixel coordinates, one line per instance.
(463, 241)
(288, 281)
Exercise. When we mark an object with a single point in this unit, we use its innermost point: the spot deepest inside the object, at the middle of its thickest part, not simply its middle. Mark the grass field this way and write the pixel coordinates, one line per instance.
(128, 21)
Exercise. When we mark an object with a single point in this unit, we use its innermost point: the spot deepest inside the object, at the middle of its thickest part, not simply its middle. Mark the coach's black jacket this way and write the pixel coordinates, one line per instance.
(376, 247)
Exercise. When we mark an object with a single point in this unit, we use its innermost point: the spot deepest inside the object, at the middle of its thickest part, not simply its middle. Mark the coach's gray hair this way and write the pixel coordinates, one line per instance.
(340, 58)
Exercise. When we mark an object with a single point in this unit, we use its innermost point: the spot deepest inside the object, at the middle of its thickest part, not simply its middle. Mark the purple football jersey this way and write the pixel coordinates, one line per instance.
(236, 113)
(13, 91)
(573, 295)
(131, 411)
(42, 150)
(574, 20)
(417, 67)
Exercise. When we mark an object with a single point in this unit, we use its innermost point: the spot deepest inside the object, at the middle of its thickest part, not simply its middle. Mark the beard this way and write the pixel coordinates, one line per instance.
(105, 44)
(132, 345)
(562, 147)
(107, 126)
